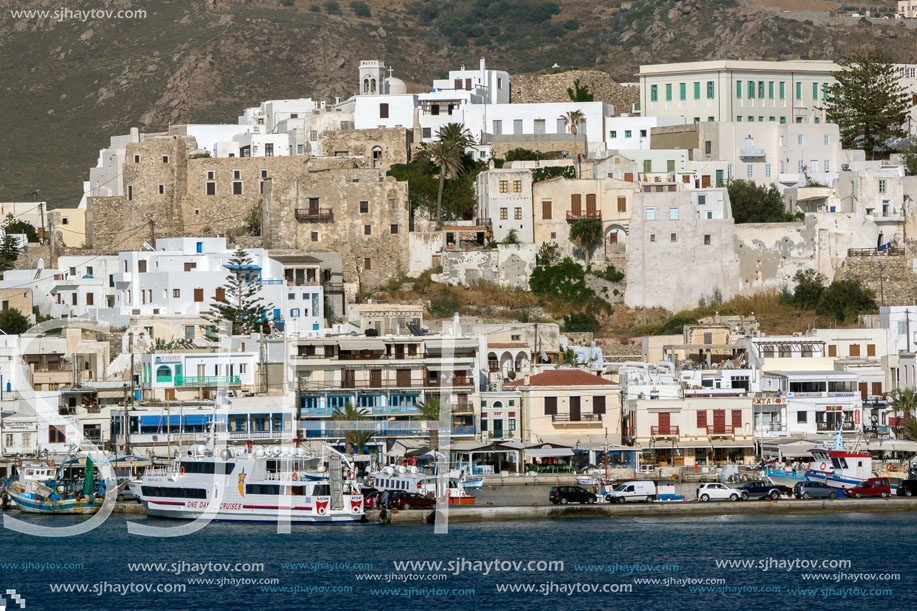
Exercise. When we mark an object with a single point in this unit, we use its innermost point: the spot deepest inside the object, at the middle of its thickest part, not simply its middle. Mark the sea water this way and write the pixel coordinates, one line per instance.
(755, 562)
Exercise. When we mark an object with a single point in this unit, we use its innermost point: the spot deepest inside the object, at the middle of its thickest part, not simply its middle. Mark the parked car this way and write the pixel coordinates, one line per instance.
(760, 489)
(874, 486)
(371, 497)
(907, 487)
(714, 492)
(814, 490)
(632, 491)
(410, 500)
(570, 494)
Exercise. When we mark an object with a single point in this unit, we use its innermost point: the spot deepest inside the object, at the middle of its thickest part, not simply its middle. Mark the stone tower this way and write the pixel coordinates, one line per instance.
(372, 77)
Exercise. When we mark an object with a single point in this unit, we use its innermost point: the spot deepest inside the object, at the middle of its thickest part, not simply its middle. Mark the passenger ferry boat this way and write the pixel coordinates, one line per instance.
(263, 485)
(411, 479)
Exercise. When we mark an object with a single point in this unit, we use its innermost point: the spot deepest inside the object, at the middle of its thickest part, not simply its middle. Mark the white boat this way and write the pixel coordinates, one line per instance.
(261, 486)
(411, 479)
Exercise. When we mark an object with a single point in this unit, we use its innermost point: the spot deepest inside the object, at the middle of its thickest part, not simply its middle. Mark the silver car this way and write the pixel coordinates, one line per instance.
(814, 490)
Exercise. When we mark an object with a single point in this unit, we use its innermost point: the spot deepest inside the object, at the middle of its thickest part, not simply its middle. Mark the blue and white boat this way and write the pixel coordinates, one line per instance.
(44, 489)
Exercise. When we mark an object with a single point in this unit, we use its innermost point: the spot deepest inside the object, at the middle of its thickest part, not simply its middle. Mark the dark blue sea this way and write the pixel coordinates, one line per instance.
(833, 561)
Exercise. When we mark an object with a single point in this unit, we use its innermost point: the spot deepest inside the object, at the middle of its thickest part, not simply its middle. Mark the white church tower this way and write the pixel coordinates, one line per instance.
(372, 77)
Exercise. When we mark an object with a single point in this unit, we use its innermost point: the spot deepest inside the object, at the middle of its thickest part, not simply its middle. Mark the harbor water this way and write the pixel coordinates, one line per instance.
(850, 560)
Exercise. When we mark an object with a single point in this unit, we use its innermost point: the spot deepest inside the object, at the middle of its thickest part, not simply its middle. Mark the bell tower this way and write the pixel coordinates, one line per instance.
(372, 77)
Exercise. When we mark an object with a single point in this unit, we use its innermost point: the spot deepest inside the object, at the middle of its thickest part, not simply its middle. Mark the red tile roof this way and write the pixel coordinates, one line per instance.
(508, 345)
(562, 377)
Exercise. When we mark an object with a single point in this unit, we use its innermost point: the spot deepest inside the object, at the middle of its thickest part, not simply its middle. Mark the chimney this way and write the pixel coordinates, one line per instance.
(526, 380)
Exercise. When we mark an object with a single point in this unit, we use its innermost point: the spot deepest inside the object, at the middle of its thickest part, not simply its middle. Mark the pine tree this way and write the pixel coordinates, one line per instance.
(868, 102)
(9, 251)
(241, 304)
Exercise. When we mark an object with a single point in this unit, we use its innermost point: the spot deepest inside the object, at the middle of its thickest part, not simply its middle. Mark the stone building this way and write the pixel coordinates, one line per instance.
(380, 147)
(359, 212)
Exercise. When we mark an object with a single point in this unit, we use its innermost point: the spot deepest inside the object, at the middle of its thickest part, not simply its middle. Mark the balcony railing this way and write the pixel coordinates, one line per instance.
(260, 434)
(749, 152)
(664, 431)
(584, 214)
(383, 384)
(208, 381)
(720, 430)
(770, 427)
(314, 214)
(825, 427)
(580, 418)
(891, 251)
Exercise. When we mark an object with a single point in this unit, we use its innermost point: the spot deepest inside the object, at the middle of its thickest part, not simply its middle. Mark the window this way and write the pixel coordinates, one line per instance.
(237, 188)
(814, 91)
(141, 266)
(760, 90)
(682, 91)
(136, 158)
(503, 214)
(190, 266)
(801, 417)
(650, 214)
(219, 294)
(739, 118)
(770, 90)
(827, 165)
(800, 165)
(367, 264)
(782, 90)
(827, 140)
(364, 207)
(130, 193)
(198, 295)
(56, 435)
(697, 90)
(701, 200)
(751, 90)
(367, 229)
(798, 91)
(673, 237)
(654, 93)
(434, 109)
(64, 220)
(383, 111)
(314, 236)
(176, 293)
(613, 134)
(504, 186)
(772, 119)
(269, 149)
(882, 186)
(294, 313)
(211, 188)
(782, 120)
(162, 189)
(545, 209)
(739, 89)
(427, 133)
(622, 203)
(627, 133)
(832, 349)
(710, 90)
(518, 214)
(517, 186)
(767, 170)
(749, 171)
(237, 174)
(707, 243)
(673, 214)
(800, 139)
(89, 299)
(668, 92)
(550, 406)
(652, 237)
(643, 133)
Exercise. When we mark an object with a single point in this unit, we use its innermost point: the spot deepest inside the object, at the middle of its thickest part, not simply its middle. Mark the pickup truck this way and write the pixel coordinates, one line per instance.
(761, 489)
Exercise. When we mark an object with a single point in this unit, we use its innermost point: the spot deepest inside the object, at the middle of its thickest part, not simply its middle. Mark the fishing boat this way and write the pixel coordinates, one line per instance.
(46, 490)
(412, 479)
(259, 485)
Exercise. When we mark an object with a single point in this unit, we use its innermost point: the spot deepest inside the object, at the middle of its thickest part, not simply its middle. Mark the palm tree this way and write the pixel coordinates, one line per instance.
(572, 121)
(429, 409)
(359, 439)
(446, 152)
(350, 414)
(902, 401)
(585, 233)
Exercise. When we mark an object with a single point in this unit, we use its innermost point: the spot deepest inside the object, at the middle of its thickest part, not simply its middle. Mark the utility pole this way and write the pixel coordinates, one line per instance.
(41, 210)
(124, 422)
(907, 320)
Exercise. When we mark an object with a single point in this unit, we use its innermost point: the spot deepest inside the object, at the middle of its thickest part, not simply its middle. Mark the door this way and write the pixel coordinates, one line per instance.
(575, 409)
(665, 421)
(498, 428)
(705, 180)
(590, 204)
(576, 204)
(348, 379)
(719, 421)
(628, 177)
(864, 390)
(719, 178)
(876, 389)
(403, 378)
(375, 378)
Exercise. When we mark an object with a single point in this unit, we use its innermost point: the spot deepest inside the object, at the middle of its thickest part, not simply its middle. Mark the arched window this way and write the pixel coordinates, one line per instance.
(372, 85)
(163, 374)
(366, 85)
(497, 405)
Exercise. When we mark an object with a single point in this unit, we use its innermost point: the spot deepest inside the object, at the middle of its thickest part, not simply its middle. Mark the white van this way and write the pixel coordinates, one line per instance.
(641, 490)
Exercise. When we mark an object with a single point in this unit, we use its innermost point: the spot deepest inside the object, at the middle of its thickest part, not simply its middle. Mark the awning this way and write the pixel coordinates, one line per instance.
(197, 419)
(548, 452)
(161, 421)
(361, 344)
(888, 445)
(732, 443)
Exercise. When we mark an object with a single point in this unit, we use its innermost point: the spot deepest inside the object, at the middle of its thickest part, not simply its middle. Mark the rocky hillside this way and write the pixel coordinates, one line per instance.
(67, 84)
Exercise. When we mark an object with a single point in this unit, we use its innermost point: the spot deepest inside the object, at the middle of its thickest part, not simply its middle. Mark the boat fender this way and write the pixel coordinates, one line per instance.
(181, 471)
(295, 477)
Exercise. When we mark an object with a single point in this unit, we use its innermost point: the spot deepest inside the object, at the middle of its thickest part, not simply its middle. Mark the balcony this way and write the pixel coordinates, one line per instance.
(260, 434)
(828, 427)
(721, 430)
(750, 152)
(580, 418)
(208, 381)
(575, 216)
(664, 431)
(314, 214)
(891, 251)
(770, 427)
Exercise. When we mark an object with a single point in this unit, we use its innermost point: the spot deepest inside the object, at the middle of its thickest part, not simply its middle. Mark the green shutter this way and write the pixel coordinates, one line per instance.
(782, 90)
(682, 91)
(798, 91)
(654, 93)
(770, 90)
(710, 90)
(668, 92)
(739, 90)
(751, 90)
(697, 90)
(814, 91)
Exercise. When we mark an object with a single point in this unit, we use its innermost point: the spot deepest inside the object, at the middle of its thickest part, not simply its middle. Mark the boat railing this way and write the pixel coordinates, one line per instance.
(161, 471)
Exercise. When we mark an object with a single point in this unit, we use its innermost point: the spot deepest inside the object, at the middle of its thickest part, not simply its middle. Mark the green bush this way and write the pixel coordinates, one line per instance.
(845, 300)
(444, 304)
(551, 171)
(13, 322)
(581, 322)
(610, 274)
(810, 285)
(566, 280)
(332, 7)
(754, 204)
(360, 9)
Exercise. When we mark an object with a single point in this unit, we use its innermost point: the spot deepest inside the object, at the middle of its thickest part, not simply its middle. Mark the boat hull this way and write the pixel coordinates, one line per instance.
(178, 510)
(69, 506)
(473, 483)
(462, 500)
(780, 477)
